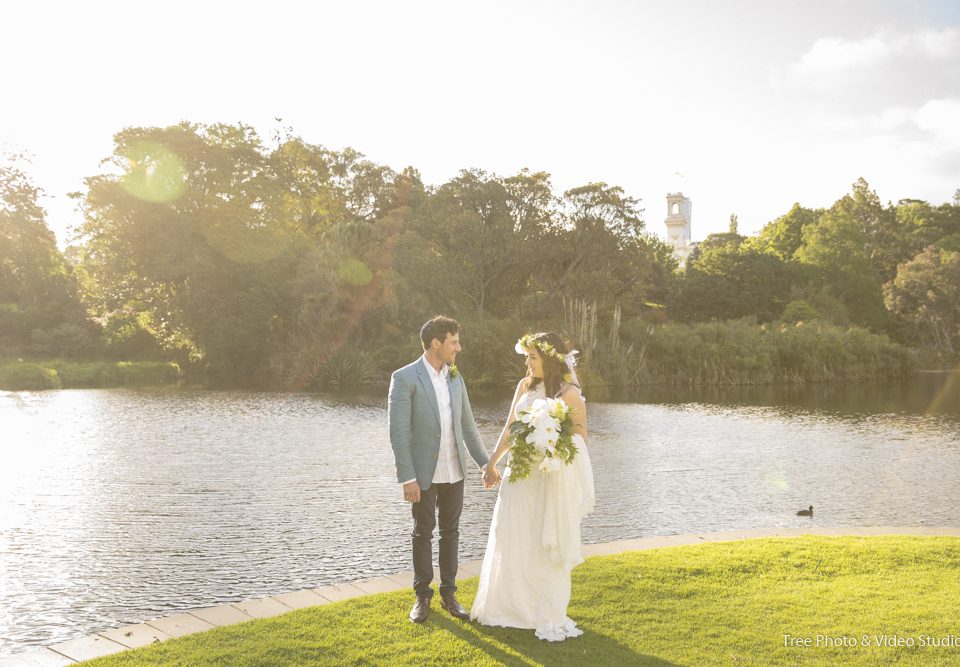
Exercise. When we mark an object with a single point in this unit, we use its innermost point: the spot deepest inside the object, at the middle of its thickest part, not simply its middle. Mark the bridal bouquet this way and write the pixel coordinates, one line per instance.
(542, 435)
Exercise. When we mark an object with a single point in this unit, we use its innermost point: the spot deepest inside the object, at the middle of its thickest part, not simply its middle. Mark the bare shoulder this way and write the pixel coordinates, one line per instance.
(571, 394)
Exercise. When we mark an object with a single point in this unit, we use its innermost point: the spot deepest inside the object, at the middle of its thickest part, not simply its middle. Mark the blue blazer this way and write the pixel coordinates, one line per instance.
(413, 415)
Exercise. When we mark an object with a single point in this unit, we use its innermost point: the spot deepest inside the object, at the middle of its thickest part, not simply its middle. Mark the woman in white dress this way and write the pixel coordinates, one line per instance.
(534, 541)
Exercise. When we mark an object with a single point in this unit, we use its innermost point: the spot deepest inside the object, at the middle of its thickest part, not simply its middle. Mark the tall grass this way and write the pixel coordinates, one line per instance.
(741, 353)
(348, 369)
(635, 352)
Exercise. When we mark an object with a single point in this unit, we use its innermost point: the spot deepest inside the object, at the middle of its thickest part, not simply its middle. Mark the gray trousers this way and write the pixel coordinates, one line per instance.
(447, 501)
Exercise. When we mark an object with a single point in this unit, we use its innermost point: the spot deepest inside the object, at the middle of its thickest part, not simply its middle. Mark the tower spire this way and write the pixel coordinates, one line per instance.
(678, 226)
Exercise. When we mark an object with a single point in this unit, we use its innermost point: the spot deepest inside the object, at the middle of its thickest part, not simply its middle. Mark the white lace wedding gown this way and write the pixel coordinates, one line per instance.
(534, 544)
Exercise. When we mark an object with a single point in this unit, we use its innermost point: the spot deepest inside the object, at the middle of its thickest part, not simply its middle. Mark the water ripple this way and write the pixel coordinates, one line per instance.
(120, 506)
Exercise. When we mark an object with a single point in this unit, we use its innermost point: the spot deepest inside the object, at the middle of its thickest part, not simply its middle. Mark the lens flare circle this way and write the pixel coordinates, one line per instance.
(355, 272)
(777, 481)
(154, 173)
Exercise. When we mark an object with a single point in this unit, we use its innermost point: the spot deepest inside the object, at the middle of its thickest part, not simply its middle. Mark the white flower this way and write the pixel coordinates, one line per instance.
(550, 464)
(544, 428)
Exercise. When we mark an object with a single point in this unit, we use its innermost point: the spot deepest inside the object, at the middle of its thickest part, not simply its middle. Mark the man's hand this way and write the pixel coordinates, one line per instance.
(491, 476)
(411, 492)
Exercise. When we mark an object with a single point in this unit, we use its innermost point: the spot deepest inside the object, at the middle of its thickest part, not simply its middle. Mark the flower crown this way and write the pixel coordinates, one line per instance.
(546, 349)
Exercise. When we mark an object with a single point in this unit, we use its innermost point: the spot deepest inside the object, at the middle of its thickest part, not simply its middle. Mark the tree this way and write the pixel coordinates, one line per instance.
(532, 204)
(729, 280)
(206, 251)
(601, 251)
(883, 237)
(467, 246)
(845, 255)
(784, 236)
(40, 311)
(924, 225)
(926, 293)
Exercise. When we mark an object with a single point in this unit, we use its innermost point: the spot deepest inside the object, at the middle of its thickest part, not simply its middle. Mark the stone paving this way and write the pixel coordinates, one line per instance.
(198, 620)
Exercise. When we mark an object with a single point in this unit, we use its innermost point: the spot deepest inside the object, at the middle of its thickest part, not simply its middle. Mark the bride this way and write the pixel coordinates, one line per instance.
(534, 538)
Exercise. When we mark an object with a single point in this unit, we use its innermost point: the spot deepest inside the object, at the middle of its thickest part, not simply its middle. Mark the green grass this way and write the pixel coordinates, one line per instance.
(726, 603)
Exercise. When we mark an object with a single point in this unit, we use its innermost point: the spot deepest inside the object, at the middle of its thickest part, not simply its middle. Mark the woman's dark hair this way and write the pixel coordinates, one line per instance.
(438, 328)
(553, 368)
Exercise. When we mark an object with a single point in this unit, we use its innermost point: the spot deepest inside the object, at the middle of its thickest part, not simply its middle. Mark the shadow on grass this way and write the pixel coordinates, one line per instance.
(533, 651)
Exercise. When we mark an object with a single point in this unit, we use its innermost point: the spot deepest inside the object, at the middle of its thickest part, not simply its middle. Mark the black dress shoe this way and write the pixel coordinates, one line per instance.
(449, 602)
(421, 609)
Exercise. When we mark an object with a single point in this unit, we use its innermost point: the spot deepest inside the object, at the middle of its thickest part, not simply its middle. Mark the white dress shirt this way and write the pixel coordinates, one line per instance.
(449, 467)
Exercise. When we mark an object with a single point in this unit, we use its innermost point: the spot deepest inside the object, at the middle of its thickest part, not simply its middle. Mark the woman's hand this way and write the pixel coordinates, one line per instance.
(491, 476)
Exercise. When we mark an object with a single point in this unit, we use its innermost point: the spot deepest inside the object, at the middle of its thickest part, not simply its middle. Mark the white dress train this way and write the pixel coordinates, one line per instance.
(533, 546)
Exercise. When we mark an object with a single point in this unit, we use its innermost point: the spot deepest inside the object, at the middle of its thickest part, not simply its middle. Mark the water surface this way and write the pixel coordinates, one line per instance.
(118, 506)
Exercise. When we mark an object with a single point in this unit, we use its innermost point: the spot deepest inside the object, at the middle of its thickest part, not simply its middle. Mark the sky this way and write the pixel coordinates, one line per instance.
(744, 106)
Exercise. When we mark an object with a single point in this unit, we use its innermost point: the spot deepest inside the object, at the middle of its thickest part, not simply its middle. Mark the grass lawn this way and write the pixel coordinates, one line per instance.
(727, 603)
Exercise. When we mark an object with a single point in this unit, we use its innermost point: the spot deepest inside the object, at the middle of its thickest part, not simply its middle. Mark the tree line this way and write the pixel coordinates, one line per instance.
(286, 264)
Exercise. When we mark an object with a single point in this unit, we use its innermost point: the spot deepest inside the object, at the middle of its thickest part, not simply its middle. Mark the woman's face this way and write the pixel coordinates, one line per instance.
(534, 362)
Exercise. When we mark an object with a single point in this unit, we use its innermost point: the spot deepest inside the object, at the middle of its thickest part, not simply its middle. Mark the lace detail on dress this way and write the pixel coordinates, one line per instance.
(554, 632)
(527, 398)
(540, 391)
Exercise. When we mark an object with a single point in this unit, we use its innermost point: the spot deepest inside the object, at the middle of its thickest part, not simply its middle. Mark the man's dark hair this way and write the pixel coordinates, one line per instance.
(438, 328)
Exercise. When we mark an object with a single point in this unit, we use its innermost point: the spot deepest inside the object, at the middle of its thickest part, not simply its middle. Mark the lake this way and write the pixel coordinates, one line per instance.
(117, 506)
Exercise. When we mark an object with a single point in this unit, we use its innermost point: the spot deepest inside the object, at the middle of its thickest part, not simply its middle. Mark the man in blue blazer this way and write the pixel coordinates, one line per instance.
(431, 431)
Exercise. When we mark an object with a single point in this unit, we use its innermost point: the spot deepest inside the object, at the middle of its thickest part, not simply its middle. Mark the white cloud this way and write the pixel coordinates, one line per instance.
(884, 69)
(942, 118)
(832, 54)
(888, 102)
(935, 119)
(890, 119)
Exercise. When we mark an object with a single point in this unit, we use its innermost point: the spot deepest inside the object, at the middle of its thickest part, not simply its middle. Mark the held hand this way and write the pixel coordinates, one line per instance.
(411, 492)
(491, 477)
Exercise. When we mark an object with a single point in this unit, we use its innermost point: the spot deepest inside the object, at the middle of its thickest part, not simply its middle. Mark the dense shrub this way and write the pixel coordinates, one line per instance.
(25, 376)
(68, 374)
(142, 373)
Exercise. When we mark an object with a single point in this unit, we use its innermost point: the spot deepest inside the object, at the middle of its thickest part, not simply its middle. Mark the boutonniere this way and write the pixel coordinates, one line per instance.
(454, 371)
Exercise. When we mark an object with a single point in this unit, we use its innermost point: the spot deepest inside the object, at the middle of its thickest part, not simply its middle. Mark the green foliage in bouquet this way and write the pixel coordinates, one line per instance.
(523, 454)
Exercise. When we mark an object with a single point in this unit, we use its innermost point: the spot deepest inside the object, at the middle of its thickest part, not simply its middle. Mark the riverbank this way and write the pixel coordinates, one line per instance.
(731, 353)
(703, 598)
(60, 374)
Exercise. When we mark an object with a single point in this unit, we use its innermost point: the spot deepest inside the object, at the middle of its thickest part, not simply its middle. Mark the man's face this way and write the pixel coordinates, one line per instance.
(447, 351)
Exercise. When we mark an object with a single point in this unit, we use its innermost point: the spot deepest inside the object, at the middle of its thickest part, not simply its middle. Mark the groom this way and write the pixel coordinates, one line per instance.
(431, 431)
